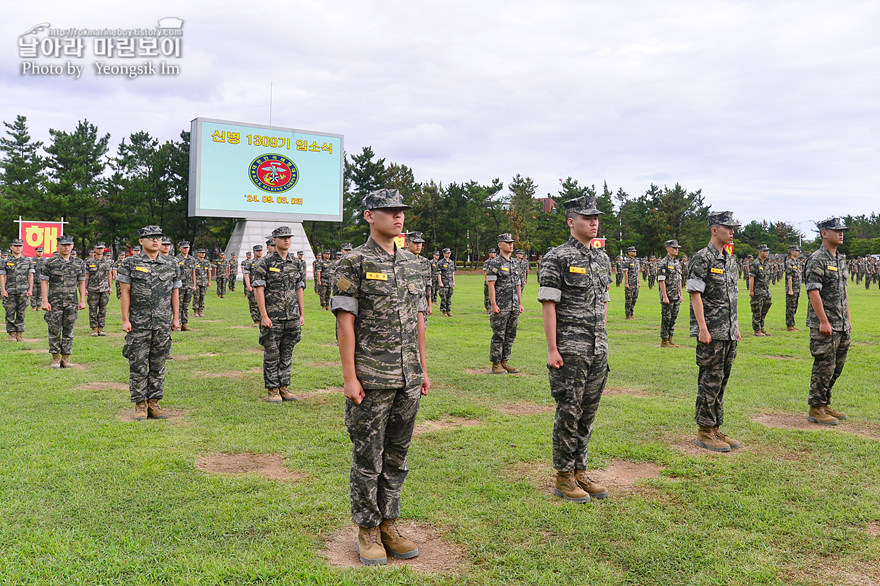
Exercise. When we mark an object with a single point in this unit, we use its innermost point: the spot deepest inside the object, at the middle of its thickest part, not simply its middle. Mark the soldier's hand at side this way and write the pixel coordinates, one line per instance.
(554, 359)
(46, 307)
(665, 300)
(825, 328)
(426, 384)
(521, 308)
(704, 336)
(82, 304)
(495, 308)
(266, 322)
(302, 320)
(5, 293)
(175, 325)
(126, 326)
(354, 391)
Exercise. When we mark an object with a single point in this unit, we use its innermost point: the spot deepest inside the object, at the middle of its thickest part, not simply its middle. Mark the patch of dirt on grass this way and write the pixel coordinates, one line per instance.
(621, 477)
(174, 415)
(33, 340)
(436, 555)
(102, 386)
(188, 357)
(489, 371)
(329, 364)
(617, 391)
(37, 351)
(799, 422)
(446, 423)
(874, 529)
(317, 393)
(227, 374)
(333, 345)
(115, 334)
(250, 327)
(687, 444)
(782, 357)
(524, 408)
(269, 465)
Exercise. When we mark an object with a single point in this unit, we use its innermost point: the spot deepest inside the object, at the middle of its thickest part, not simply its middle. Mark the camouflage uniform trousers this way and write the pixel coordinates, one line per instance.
(868, 281)
(714, 360)
(118, 290)
(435, 289)
(791, 307)
(486, 303)
(446, 298)
(829, 356)
(577, 388)
(146, 351)
(381, 430)
(60, 323)
(15, 306)
(760, 306)
(98, 309)
(221, 286)
(651, 279)
(503, 334)
(36, 299)
(186, 295)
(631, 296)
(668, 317)
(199, 298)
(325, 292)
(252, 306)
(278, 342)
(232, 282)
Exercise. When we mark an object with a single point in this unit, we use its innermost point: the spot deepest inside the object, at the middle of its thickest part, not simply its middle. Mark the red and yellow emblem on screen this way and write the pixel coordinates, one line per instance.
(273, 173)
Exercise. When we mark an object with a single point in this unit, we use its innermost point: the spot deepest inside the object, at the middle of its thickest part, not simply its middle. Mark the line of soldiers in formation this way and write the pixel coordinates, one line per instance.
(381, 295)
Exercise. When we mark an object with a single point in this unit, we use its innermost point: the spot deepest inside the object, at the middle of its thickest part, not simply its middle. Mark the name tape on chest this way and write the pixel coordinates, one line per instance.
(142, 269)
(377, 276)
(505, 269)
(578, 270)
(670, 267)
(717, 271)
(275, 269)
(832, 268)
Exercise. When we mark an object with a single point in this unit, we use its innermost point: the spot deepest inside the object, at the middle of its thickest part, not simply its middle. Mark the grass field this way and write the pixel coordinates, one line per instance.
(89, 498)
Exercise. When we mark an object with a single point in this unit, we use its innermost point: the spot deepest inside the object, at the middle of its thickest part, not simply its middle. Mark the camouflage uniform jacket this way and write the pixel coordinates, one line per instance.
(505, 273)
(714, 275)
(793, 272)
(826, 272)
(302, 268)
(246, 266)
(633, 268)
(233, 267)
(446, 268)
(203, 269)
(761, 272)
(17, 271)
(385, 294)
(280, 279)
(63, 277)
(186, 264)
(524, 267)
(152, 282)
(220, 267)
(576, 278)
(425, 265)
(99, 271)
(669, 271)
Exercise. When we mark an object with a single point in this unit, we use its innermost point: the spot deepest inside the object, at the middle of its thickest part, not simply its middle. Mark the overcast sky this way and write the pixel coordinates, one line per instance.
(771, 108)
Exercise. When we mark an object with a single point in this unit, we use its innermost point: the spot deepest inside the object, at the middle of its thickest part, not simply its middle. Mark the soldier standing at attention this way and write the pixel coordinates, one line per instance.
(278, 282)
(38, 267)
(573, 291)
(116, 266)
(505, 301)
(435, 276)
(792, 286)
(100, 271)
(631, 269)
(446, 282)
(60, 280)
(759, 290)
(247, 272)
(16, 285)
(247, 261)
(414, 244)
(221, 271)
(201, 282)
(301, 262)
(828, 319)
(652, 271)
(524, 267)
(378, 300)
(711, 283)
(233, 271)
(325, 285)
(150, 302)
(486, 281)
(669, 279)
(187, 265)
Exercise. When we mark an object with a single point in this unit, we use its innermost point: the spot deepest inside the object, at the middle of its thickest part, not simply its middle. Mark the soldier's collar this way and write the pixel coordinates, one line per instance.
(580, 245)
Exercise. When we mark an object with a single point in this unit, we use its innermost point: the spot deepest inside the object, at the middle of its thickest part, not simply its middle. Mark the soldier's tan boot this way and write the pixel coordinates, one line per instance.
(792, 329)
(706, 438)
(94, 333)
(154, 410)
(285, 394)
(185, 328)
(726, 439)
(140, 411)
(395, 543)
(568, 488)
(496, 368)
(56, 361)
(508, 367)
(834, 413)
(19, 337)
(672, 344)
(664, 343)
(593, 488)
(820, 416)
(65, 361)
(370, 548)
(13, 337)
(759, 333)
(765, 332)
(101, 332)
(274, 396)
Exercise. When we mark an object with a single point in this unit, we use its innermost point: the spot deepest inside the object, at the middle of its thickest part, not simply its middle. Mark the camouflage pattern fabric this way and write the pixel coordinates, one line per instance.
(15, 304)
(668, 317)
(60, 322)
(247, 267)
(577, 388)
(233, 273)
(203, 270)
(504, 273)
(435, 282)
(669, 272)
(829, 357)
(36, 299)
(198, 298)
(485, 286)
(793, 272)
(116, 265)
(278, 343)
(187, 264)
(98, 309)
(632, 268)
(315, 274)
(99, 290)
(63, 278)
(524, 267)
(631, 296)
(762, 299)
(446, 270)
(220, 267)
(326, 288)
(146, 351)
(715, 361)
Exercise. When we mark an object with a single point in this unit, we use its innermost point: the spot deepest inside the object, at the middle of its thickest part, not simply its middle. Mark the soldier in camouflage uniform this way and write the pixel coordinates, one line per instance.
(446, 282)
(669, 279)
(302, 264)
(233, 271)
(618, 269)
(150, 311)
(36, 298)
(573, 291)
(278, 282)
(712, 285)
(414, 244)
(631, 269)
(792, 286)
(505, 303)
(378, 299)
(116, 265)
(221, 272)
(435, 276)
(187, 265)
(759, 290)
(651, 270)
(524, 267)
(62, 277)
(828, 319)
(100, 270)
(16, 285)
(492, 254)
(324, 281)
(201, 282)
(247, 270)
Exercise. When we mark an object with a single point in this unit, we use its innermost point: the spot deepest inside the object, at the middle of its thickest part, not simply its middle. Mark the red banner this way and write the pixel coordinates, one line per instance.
(728, 248)
(43, 234)
(597, 243)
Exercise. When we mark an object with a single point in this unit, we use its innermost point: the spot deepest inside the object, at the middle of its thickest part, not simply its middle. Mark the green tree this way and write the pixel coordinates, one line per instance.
(22, 179)
(363, 175)
(524, 210)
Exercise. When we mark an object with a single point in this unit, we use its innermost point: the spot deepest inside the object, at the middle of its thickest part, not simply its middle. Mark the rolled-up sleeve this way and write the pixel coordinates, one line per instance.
(346, 288)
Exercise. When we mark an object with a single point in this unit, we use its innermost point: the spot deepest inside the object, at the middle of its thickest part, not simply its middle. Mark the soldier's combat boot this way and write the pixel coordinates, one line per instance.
(508, 367)
(664, 343)
(820, 416)
(496, 368)
(65, 361)
(140, 411)
(395, 543)
(792, 329)
(18, 336)
(765, 332)
(185, 328)
(285, 394)
(94, 333)
(101, 332)
(274, 396)
(56, 361)
(759, 333)
(726, 439)
(13, 337)
(593, 488)
(672, 344)
(706, 439)
(834, 413)
(370, 548)
(154, 410)
(568, 488)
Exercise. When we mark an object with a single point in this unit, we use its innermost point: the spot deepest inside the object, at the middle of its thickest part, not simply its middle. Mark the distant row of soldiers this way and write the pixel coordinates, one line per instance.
(865, 268)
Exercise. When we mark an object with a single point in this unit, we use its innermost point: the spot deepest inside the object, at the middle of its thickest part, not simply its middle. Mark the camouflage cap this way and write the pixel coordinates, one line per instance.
(149, 231)
(346, 246)
(166, 241)
(326, 251)
(137, 248)
(436, 253)
(298, 253)
(763, 248)
(183, 244)
(415, 237)
(584, 205)
(65, 239)
(831, 224)
(258, 247)
(631, 249)
(282, 232)
(519, 251)
(74, 252)
(39, 249)
(723, 218)
(100, 245)
(270, 242)
(17, 242)
(447, 251)
(385, 199)
(493, 251)
(506, 237)
(794, 248)
(248, 253)
(201, 251)
(671, 244)
(338, 254)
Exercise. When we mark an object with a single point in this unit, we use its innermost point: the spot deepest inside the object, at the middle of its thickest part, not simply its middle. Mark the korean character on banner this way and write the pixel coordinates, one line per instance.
(327, 147)
(233, 137)
(102, 47)
(27, 48)
(302, 145)
(170, 47)
(125, 48)
(218, 136)
(73, 47)
(314, 147)
(50, 47)
(148, 47)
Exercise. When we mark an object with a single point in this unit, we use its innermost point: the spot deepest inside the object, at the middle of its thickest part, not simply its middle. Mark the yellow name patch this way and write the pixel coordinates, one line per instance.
(671, 268)
(142, 269)
(717, 271)
(762, 268)
(578, 270)
(505, 269)
(377, 276)
(831, 268)
(275, 269)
